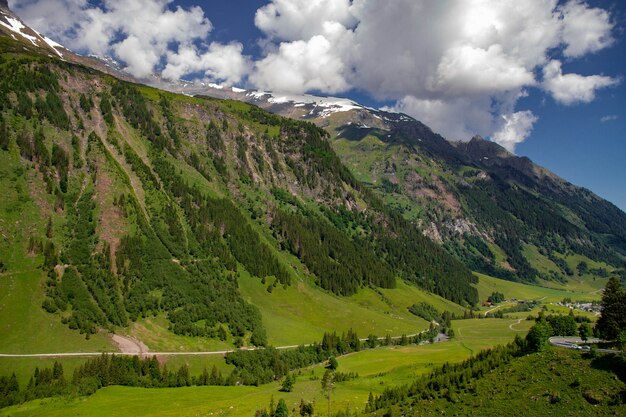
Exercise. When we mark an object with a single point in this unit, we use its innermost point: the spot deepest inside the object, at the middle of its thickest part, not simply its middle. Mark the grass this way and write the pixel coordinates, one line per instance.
(24, 326)
(552, 382)
(377, 370)
(404, 295)
(486, 285)
(154, 332)
(577, 283)
(538, 261)
(302, 312)
(478, 334)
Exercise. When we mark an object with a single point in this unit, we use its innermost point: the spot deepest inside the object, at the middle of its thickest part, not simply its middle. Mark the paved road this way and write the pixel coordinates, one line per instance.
(150, 353)
(572, 342)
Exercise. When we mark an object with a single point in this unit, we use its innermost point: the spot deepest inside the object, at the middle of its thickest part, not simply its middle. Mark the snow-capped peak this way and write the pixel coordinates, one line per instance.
(330, 105)
(13, 24)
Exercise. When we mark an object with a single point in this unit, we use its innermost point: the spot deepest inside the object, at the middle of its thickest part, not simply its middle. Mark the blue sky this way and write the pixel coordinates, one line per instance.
(545, 79)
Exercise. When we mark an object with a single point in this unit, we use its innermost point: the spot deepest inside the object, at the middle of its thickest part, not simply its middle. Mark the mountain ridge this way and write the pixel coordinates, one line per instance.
(437, 178)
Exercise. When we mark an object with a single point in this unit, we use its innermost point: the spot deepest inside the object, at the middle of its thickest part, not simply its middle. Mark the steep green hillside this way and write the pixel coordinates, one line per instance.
(552, 382)
(196, 217)
(500, 214)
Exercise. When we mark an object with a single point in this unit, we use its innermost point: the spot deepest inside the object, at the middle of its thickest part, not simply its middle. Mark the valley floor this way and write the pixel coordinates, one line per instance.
(377, 369)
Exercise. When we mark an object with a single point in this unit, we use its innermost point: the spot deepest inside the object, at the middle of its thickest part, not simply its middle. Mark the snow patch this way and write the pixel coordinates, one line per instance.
(55, 46)
(17, 26)
(216, 86)
(258, 94)
(237, 90)
(328, 105)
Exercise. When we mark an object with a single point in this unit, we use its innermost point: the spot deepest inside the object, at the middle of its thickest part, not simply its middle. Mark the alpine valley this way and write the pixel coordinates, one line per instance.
(247, 251)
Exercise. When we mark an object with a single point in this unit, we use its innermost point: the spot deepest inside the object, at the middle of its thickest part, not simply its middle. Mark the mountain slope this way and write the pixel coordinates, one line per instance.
(489, 208)
(154, 204)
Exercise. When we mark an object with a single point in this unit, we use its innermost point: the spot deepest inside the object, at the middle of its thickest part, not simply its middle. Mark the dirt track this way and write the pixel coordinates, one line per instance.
(128, 345)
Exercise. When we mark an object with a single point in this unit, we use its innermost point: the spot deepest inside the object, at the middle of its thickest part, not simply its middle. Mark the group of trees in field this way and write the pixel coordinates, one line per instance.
(28, 81)
(430, 313)
(557, 325)
(449, 380)
(103, 371)
(255, 367)
(340, 264)
(218, 220)
(496, 297)
(134, 107)
(280, 409)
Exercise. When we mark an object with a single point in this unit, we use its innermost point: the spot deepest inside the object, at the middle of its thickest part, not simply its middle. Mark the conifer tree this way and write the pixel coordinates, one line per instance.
(612, 320)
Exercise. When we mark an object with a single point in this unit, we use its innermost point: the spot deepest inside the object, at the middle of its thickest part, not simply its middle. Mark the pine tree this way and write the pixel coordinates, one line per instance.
(584, 331)
(281, 409)
(612, 320)
(288, 383)
(49, 228)
(306, 408)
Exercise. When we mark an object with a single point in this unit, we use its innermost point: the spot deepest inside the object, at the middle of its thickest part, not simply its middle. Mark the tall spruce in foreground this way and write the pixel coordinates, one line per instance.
(613, 318)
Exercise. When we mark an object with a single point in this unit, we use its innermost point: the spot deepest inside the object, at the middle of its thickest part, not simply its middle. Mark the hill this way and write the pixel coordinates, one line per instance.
(138, 203)
(563, 382)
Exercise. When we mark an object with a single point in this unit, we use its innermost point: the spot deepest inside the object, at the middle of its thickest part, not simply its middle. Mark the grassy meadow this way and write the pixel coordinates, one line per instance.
(377, 369)
(486, 285)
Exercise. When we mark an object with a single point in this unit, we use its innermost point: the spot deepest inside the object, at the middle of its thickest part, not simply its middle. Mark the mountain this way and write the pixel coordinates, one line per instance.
(135, 202)
(156, 203)
(12, 26)
(498, 213)
(195, 224)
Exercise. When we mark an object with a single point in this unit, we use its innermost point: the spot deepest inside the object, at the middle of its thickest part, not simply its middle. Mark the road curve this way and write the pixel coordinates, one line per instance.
(571, 342)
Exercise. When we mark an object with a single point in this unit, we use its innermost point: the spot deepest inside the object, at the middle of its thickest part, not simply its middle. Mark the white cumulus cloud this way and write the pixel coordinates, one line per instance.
(219, 62)
(147, 35)
(292, 20)
(460, 66)
(299, 66)
(515, 128)
(570, 89)
(585, 29)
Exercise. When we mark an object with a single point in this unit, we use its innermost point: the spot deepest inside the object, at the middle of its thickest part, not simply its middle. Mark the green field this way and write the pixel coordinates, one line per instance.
(302, 312)
(577, 283)
(376, 368)
(154, 333)
(486, 285)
